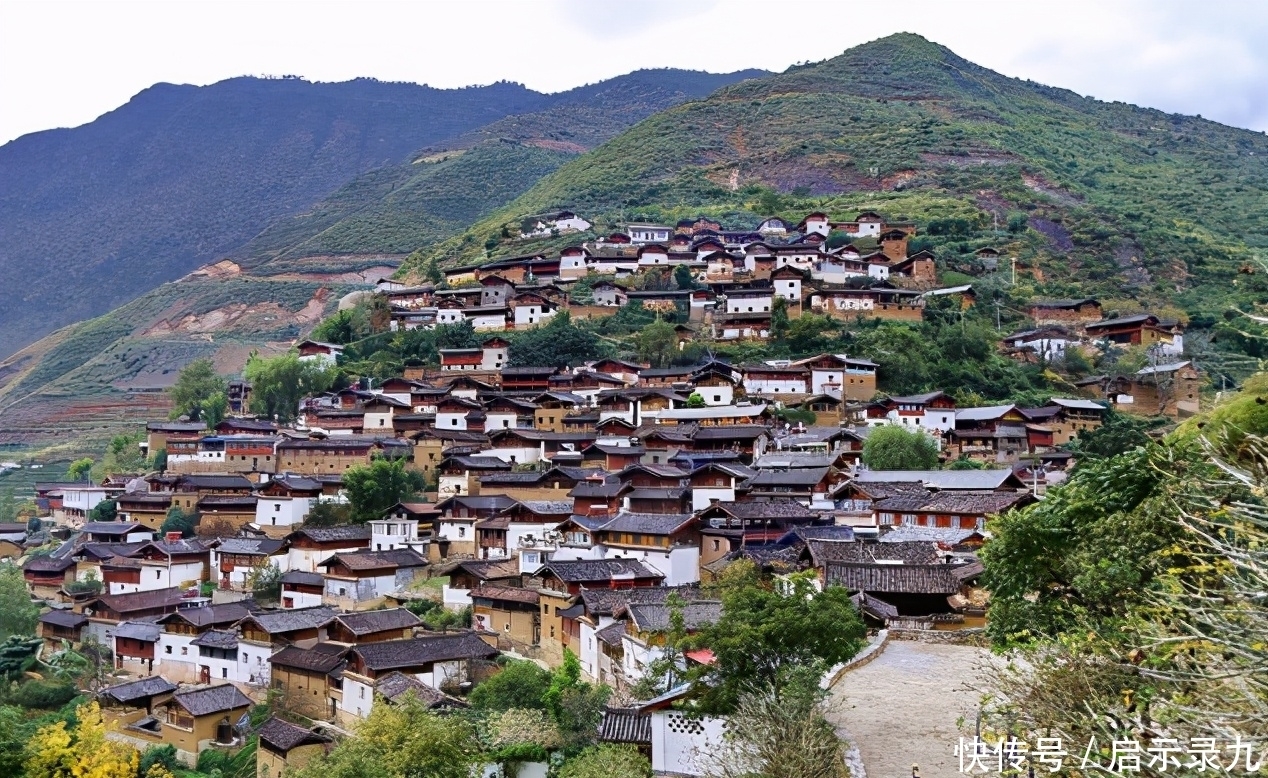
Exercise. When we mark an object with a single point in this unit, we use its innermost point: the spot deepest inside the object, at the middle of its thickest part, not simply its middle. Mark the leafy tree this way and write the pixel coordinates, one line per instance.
(432, 272)
(327, 514)
(520, 684)
(695, 400)
(106, 510)
(891, 447)
(607, 761)
(1017, 222)
(123, 455)
(683, 278)
(964, 463)
(159, 460)
(34, 525)
(1118, 434)
(773, 638)
(787, 734)
(278, 384)
(18, 614)
(197, 383)
(559, 343)
(404, 740)
(179, 521)
(84, 752)
(265, 582)
(79, 469)
(657, 344)
(375, 487)
(214, 409)
(779, 320)
(836, 239)
(810, 334)
(164, 755)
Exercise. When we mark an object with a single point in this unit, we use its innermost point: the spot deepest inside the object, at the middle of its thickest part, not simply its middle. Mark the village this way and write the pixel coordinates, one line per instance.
(568, 510)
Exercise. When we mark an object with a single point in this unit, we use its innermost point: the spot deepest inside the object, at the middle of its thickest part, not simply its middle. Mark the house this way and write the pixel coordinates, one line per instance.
(1171, 389)
(646, 626)
(57, 626)
(455, 529)
(324, 354)
(510, 612)
(307, 546)
(108, 610)
(146, 508)
(360, 580)
(438, 661)
(45, 576)
(648, 233)
(134, 645)
(264, 634)
(960, 509)
(520, 530)
(182, 659)
(775, 379)
(309, 679)
(469, 574)
(284, 747)
(614, 573)
(1074, 417)
(994, 433)
(1048, 343)
(198, 719)
(1143, 329)
(236, 560)
(1075, 313)
(933, 412)
(284, 502)
(373, 626)
(667, 543)
(301, 589)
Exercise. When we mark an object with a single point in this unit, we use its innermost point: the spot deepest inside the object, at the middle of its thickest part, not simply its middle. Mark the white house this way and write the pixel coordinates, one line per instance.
(749, 300)
(324, 354)
(648, 233)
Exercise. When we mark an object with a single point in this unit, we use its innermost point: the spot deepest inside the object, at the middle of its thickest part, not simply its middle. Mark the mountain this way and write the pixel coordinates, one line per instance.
(182, 175)
(282, 274)
(1142, 207)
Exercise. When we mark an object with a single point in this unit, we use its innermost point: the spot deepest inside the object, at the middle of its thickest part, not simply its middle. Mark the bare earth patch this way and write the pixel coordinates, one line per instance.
(906, 707)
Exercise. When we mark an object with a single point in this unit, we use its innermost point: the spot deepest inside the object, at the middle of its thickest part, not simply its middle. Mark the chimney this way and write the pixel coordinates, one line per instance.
(172, 537)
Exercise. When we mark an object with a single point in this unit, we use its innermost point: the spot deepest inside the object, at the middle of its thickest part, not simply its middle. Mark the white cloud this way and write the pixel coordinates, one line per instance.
(64, 63)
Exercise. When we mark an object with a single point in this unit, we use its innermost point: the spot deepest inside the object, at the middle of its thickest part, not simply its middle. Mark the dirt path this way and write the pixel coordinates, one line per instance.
(903, 707)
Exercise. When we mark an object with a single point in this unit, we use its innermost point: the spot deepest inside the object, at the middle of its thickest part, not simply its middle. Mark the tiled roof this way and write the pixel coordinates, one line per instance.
(764, 509)
(586, 570)
(893, 579)
(611, 634)
(911, 552)
(368, 622)
(397, 654)
(117, 528)
(67, 619)
(321, 658)
(942, 479)
(250, 546)
(212, 615)
(377, 560)
(135, 690)
(299, 577)
(504, 594)
(217, 638)
(647, 523)
(136, 601)
(657, 618)
(804, 477)
(293, 619)
(48, 564)
(145, 631)
(330, 534)
(282, 736)
(395, 686)
(626, 725)
(216, 699)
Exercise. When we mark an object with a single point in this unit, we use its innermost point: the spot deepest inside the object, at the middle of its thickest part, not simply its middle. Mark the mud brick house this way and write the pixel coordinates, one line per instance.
(727, 527)
(188, 490)
(1163, 390)
(284, 502)
(438, 661)
(1142, 329)
(198, 719)
(962, 509)
(990, 434)
(470, 574)
(455, 530)
(335, 454)
(106, 611)
(60, 625)
(146, 508)
(287, 747)
(460, 474)
(1073, 313)
(264, 634)
(1073, 416)
(158, 433)
(309, 679)
(302, 590)
(45, 576)
(135, 645)
(235, 560)
(520, 530)
(571, 577)
(307, 546)
(510, 612)
(360, 580)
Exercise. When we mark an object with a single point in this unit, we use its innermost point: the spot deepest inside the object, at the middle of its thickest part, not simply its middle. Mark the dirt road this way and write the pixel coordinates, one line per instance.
(903, 707)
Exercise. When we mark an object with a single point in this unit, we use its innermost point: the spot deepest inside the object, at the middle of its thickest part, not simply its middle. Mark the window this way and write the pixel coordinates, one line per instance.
(184, 650)
(277, 507)
(462, 532)
(244, 656)
(716, 544)
(167, 649)
(224, 672)
(158, 574)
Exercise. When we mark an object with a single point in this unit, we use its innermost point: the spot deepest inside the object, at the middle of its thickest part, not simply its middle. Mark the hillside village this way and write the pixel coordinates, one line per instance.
(568, 509)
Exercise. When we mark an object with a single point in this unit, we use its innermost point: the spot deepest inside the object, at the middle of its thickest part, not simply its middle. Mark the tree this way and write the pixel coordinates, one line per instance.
(265, 582)
(695, 400)
(326, 513)
(123, 455)
(214, 409)
(374, 488)
(84, 752)
(683, 278)
(786, 735)
(79, 469)
(279, 383)
(403, 740)
(18, 614)
(607, 761)
(657, 343)
(772, 638)
(559, 343)
(891, 447)
(179, 521)
(197, 383)
(809, 334)
(779, 320)
(106, 510)
(520, 684)
(159, 461)
(1118, 434)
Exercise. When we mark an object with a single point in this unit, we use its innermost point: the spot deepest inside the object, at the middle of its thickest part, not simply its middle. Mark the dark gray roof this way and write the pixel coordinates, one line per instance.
(626, 725)
(217, 638)
(803, 476)
(326, 534)
(216, 699)
(135, 690)
(302, 578)
(59, 618)
(321, 658)
(766, 509)
(290, 620)
(647, 523)
(376, 560)
(611, 634)
(281, 736)
(250, 546)
(656, 618)
(894, 579)
(584, 570)
(397, 654)
(395, 686)
(118, 528)
(911, 552)
(145, 631)
(368, 622)
(212, 615)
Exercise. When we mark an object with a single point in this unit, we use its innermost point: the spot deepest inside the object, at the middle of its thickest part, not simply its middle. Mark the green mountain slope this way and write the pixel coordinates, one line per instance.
(1122, 201)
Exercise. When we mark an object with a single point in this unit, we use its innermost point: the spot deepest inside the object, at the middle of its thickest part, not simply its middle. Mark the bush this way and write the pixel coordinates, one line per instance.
(43, 695)
(894, 448)
(519, 685)
(164, 755)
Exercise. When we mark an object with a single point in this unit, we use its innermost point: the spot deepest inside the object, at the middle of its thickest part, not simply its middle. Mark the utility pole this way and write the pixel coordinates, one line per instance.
(1014, 263)
(997, 324)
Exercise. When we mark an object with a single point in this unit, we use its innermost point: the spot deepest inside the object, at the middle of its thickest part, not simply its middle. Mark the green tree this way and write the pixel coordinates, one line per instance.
(657, 344)
(695, 400)
(79, 469)
(891, 447)
(158, 462)
(179, 521)
(106, 510)
(164, 755)
(431, 271)
(327, 514)
(777, 638)
(265, 582)
(779, 320)
(18, 614)
(810, 334)
(559, 343)
(1118, 434)
(520, 684)
(278, 384)
(197, 383)
(683, 278)
(123, 455)
(214, 409)
(375, 487)
(607, 761)
(964, 463)
(404, 740)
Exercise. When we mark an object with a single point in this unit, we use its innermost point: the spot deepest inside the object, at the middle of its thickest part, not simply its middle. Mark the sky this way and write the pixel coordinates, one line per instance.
(64, 63)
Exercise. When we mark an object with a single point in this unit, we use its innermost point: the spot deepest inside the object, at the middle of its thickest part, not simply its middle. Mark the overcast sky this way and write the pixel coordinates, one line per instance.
(65, 63)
